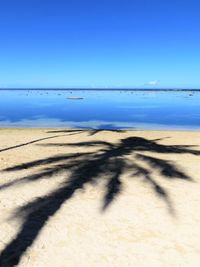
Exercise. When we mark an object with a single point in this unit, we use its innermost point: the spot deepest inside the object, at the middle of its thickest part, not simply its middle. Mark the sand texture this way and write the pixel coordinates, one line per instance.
(99, 198)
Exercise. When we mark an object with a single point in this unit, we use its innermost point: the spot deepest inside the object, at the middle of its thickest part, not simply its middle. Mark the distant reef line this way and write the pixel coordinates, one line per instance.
(101, 89)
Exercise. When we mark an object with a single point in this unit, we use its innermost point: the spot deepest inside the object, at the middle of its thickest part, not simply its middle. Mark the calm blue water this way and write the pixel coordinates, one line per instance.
(100, 109)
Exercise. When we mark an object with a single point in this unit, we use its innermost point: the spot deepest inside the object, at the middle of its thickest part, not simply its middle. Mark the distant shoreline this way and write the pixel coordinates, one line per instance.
(99, 89)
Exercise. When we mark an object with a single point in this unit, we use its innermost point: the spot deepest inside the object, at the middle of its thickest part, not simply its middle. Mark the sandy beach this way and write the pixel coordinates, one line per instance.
(99, 198)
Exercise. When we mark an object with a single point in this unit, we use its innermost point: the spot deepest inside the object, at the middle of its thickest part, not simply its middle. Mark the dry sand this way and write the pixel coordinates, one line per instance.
(99, 198)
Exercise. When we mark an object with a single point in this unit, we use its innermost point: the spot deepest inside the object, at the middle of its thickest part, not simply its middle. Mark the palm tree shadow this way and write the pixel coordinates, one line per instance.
(41, 139)
(109, 162)
(91, 131)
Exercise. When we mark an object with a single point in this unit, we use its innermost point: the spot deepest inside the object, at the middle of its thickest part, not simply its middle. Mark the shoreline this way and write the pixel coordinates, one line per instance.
(97, 129)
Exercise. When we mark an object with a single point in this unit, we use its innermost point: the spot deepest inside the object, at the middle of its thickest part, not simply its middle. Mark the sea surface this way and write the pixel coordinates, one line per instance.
(125, 109)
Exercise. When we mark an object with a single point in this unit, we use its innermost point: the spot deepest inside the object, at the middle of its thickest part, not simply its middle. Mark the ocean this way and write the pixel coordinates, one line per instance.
(101, 109)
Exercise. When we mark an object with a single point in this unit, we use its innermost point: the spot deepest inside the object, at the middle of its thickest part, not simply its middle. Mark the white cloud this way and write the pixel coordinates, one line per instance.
(153, 83)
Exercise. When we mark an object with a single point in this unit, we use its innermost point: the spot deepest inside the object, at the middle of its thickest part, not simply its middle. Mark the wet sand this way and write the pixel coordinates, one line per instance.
(99, 198)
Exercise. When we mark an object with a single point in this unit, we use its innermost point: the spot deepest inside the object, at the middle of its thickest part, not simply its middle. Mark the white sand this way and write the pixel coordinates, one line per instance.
(140, 227)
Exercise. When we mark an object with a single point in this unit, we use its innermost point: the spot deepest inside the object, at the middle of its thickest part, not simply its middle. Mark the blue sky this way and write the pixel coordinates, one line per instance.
(97, 43)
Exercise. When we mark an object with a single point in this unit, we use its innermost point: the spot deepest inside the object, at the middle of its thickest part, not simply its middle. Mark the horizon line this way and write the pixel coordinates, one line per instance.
(100, 89)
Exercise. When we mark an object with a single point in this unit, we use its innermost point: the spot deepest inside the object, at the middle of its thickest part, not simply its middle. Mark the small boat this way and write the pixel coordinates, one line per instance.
(74, 97)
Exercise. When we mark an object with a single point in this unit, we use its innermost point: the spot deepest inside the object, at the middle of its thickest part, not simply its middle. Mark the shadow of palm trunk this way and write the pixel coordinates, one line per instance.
(37, 213)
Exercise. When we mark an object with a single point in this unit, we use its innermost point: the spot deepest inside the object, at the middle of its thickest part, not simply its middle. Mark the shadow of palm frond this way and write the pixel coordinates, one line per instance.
(39, 140)
(109, 162)
(90, 131)
(66, 131)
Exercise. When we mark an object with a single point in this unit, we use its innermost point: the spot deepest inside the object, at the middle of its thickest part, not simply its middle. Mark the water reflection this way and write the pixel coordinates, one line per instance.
(100, 109)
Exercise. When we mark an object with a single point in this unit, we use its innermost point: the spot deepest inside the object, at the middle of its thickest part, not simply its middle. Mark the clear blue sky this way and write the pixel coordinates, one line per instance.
(100, 43)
